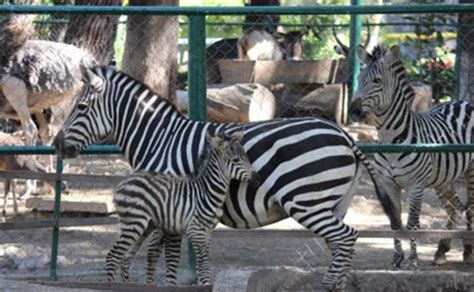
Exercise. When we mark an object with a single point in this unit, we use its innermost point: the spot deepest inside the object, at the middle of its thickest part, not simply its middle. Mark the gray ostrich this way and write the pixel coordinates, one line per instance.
(35, 75)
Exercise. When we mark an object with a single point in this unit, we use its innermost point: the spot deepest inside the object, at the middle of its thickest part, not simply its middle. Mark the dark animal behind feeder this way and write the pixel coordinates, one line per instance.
(341, 48)
(290, 43)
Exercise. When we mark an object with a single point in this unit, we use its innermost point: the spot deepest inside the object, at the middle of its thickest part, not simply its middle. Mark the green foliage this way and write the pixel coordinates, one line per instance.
(430, 61)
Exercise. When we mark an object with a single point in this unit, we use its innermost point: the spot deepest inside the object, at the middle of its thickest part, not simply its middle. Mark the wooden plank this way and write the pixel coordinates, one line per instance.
(273, 72)
(467, 236)
(111, 180)
(63, 222)
(47, 204)
(420, 234)
(132, 287)
(306, 71)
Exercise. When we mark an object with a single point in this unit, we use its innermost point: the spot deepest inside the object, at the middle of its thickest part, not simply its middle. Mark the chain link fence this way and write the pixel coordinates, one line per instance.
(258, 68)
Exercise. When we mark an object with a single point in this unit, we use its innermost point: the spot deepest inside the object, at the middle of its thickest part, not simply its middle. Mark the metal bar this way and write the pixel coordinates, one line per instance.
(269, 10)
(367, 148)
(327, 25)
(409, 148)
(50, 150)
(197, 87)
(197, 68)
(57, 215)
(354, 65)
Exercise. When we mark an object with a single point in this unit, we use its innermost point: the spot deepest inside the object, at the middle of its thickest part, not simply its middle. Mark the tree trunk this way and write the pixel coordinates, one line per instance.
(94, 33)
(151, 49)
(268, 23)
(466, 86)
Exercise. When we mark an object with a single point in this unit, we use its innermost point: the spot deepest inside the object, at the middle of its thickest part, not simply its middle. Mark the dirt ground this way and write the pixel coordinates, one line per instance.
(25, 254)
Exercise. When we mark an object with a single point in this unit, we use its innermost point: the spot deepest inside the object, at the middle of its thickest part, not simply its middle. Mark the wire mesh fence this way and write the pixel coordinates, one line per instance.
(258, 68)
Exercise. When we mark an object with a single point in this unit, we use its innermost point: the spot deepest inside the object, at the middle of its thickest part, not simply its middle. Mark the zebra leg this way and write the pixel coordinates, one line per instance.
(415, 200)
(341, 244)
(132, 251)
(130, 233)
(395, 192)
(469, 175)
(454, 207)
(172, 256)
(155, 246)
(201, 241)
(339, 237)
(6, 190)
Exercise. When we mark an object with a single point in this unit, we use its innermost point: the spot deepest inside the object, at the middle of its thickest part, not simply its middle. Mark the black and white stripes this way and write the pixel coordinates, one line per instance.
(309, 167)
(385, 91)
(173, 206)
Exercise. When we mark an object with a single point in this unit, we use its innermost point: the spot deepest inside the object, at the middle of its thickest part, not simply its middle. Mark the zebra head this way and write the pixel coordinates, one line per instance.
(378, 81)
(89, 120)
(233, 160)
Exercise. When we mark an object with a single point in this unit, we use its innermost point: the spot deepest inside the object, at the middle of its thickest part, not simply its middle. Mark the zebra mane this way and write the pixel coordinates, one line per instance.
(203, 160)
(109, 71)
(378, 52)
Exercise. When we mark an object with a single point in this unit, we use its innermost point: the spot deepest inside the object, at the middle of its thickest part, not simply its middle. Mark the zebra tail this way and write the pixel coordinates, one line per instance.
(15, 31)
(382, 194)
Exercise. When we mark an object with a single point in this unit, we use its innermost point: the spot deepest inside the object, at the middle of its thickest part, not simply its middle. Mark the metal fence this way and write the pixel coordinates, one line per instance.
(89, 236)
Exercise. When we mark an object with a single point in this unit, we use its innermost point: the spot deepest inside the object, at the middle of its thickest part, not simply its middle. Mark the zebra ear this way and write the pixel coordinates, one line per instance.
(92, 79)
(393, 53)
(215, 141)
(362, 54)
(238, 135)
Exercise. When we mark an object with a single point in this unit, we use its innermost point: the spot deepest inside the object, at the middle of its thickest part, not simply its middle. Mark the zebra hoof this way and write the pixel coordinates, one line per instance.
(331, 283)
(413, 265)
(439, 260)
(468, 259)
(397, 264)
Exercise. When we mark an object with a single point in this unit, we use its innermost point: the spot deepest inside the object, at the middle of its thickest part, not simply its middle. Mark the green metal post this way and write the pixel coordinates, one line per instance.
(57, 215)
(197, 68)
(354, 65)
(197, 86)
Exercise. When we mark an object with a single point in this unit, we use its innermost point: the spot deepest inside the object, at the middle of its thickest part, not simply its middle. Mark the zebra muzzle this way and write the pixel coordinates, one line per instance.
(65, 150)
(356, 113)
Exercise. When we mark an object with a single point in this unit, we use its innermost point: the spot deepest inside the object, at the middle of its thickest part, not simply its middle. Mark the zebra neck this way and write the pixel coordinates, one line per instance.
(394, 123)
(213, 179)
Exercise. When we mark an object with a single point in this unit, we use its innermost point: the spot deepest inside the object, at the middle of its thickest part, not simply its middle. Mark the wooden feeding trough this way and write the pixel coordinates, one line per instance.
(300, 87)
(274, 72)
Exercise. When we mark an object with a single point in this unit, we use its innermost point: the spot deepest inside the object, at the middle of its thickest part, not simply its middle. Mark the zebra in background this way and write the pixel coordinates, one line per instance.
(176, 206)
(385, 91)
(309, 167)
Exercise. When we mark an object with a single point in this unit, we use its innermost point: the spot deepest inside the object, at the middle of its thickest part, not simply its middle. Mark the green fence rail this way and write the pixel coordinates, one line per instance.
(366, 148)
(269, 10)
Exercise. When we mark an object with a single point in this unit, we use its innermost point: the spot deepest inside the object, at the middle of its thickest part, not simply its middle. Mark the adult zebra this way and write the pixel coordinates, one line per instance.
(385, 91)
(309, 167)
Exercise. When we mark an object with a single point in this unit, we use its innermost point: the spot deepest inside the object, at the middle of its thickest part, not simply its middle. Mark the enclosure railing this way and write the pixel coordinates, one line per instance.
(196, 73)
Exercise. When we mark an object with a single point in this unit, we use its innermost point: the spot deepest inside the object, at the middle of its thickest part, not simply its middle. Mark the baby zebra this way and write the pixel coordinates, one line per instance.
(174, 206)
